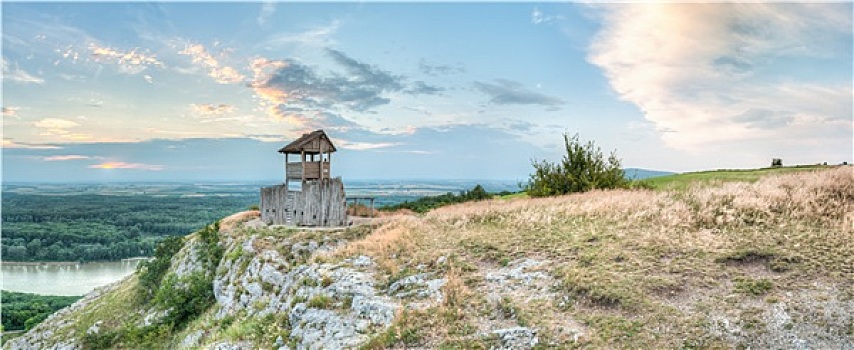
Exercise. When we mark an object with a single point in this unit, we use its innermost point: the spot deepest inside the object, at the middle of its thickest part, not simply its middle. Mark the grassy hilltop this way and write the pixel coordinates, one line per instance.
(758, 264)
(727, 264)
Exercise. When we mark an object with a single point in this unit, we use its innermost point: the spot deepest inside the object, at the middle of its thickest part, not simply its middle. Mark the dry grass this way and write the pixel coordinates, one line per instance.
(232, 221)
(642, 268)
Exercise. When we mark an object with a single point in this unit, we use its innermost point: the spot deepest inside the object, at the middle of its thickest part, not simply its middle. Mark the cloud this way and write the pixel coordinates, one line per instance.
(55, 123)
(66, 157)
(8, 143)
(268, 137)
(267, 10)
(538, 17)
(296, 93)
(505, 92)
(123, 165)
(317, 37)
(212, 109)
(697, 69)
(10, 111)
(764, 118)
(362, 146)
(17, 75)
(61, 128)
(422, 88)
(129, 62)
(439, 69)
(220, 73)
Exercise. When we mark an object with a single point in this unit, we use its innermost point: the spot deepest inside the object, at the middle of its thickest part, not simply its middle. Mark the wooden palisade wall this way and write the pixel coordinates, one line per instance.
(320, 203)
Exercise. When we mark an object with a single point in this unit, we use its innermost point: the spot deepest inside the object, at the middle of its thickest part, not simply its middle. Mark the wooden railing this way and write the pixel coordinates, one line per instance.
(312, 170)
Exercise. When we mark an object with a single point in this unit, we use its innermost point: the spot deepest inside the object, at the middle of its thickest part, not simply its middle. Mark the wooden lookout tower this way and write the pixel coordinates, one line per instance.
(307, 147)
(321, 198)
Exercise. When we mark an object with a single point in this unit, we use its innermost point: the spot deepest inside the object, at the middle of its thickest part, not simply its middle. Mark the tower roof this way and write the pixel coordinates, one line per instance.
(313, 142)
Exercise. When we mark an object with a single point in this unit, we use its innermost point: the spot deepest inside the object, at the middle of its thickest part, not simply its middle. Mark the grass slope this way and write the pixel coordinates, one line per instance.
(684, 180)
(740, 264)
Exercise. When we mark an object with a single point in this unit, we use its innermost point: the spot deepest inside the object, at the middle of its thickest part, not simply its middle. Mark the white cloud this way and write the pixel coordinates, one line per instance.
(9, 143)
(267, 10)
(129, 62)
(57, 127)
(212, 109)
(697, 69)
(362, 146)
(539, 17)
(15, 74)
(220, 73)
(10, 112)
(317, 37)
(55, 123)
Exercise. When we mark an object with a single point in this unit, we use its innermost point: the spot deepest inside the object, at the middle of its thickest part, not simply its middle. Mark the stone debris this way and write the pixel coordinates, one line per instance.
(192, 339)
(96, 327)
(516, 338)
(255, 224)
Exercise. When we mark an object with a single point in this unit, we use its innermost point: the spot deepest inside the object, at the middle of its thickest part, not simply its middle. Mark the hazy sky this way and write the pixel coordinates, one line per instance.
(210, 91)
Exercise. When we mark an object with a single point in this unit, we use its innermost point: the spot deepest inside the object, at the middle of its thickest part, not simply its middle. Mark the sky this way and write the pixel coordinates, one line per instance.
(199, 91)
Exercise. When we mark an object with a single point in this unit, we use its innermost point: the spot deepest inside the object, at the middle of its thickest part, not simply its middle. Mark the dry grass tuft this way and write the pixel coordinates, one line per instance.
(232, 221)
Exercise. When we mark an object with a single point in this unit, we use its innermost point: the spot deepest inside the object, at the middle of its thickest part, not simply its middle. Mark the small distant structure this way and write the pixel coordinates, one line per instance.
(776, 162)
(321, 200)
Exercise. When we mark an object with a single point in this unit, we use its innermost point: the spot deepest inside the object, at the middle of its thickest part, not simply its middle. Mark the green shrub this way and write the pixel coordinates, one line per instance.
(151, 272)
(582, 169)
(753, 286)
(187, 297)
(320, 301)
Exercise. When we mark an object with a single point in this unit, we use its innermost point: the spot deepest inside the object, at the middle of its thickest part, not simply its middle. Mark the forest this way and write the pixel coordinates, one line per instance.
(23, 310)
(96, 227)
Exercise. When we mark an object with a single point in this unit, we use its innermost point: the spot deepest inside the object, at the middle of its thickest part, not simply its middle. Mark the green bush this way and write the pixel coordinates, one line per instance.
(320, 301)
(151, 272)
(582, 169)
(186, 297)
(753, 286)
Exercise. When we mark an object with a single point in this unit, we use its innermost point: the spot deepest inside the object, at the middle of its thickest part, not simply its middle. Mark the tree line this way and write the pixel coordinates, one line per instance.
(103, 227)
(22, 311)
(424, 204)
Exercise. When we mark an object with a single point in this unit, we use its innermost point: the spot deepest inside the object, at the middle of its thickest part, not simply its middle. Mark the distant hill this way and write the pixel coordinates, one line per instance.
(640, 174)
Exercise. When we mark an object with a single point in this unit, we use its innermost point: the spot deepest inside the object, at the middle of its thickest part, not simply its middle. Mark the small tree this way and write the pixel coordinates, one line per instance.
(477, 193)
(776, 162)
(582, 169)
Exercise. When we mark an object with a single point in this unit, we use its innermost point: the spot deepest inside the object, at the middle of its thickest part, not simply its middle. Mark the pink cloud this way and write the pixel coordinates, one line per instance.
(65, 157)
(123, 165)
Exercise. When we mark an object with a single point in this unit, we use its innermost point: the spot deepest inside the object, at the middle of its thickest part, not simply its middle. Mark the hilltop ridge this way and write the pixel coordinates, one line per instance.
(768, 264)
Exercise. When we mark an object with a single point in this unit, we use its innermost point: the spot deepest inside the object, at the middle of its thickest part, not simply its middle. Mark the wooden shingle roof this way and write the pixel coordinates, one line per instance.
(314, 142)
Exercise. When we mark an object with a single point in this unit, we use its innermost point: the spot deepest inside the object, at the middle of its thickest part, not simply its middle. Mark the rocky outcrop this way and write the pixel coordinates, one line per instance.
(329, 305)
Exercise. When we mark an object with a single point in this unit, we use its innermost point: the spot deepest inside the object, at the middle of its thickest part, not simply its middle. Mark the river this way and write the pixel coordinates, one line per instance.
(71, 279)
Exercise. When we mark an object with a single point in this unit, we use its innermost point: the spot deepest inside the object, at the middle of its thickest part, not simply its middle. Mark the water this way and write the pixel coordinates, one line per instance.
(74, 279)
